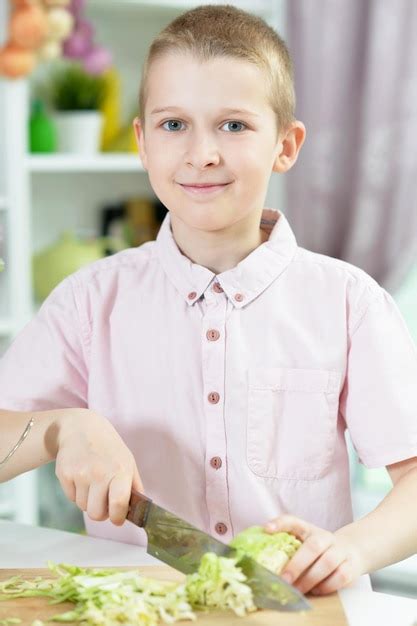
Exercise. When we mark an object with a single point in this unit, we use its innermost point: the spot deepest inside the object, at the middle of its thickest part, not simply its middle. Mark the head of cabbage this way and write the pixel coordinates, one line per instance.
(273, 551)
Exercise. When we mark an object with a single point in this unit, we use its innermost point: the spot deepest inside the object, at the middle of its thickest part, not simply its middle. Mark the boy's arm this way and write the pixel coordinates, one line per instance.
(96, 469)
(38, 448)
(45, 367)
(388, 533)
(327, 562)
(378, 404)
(44, 370)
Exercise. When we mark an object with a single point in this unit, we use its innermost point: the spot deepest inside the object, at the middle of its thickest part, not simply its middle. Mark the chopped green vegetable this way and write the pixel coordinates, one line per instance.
(105, 596)
(219, 584)
(273, 551)
(110, 597)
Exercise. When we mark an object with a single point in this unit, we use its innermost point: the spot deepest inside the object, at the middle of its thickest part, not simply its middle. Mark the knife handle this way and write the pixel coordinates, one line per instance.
(138, 508)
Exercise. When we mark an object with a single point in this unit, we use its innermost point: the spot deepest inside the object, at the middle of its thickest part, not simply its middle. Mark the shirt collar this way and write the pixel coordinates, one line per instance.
(244, 282)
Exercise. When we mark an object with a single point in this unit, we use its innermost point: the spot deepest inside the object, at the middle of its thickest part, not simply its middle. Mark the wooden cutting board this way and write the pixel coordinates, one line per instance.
(326, 611)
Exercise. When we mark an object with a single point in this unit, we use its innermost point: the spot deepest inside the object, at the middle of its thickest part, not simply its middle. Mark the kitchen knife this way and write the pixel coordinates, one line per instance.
(181, 545)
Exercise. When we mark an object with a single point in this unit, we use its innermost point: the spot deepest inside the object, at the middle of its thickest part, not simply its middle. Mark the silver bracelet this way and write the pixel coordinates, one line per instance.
(21, 440)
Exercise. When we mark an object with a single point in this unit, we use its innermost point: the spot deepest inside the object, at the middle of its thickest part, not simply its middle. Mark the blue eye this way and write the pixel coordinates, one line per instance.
(175, 125)
(172, 123)
(235, 124)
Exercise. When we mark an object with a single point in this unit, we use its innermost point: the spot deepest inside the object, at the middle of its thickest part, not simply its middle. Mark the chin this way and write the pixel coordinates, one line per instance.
(205, 223)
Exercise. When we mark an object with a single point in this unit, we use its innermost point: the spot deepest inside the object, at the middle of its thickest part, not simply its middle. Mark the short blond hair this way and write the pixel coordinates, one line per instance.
(212, 31)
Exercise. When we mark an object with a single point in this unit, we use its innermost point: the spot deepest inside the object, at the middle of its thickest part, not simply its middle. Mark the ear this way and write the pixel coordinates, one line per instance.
(140, 141)
(289, 145)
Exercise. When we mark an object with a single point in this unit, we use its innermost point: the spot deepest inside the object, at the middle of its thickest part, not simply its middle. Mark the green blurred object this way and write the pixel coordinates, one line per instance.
(374, 480)
(1, 265)
(66, 256)
(42, 132)
(70, 88)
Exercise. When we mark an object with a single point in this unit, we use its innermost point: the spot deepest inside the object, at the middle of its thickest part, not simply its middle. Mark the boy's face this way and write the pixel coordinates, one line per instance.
(195, 139)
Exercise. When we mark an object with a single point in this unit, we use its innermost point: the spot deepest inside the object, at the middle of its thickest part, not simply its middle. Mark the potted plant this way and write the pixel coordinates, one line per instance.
(76, 97)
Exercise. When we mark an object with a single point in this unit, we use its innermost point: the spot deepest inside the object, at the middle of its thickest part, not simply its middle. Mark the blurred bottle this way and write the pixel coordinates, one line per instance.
(42, 132)
(142, 225)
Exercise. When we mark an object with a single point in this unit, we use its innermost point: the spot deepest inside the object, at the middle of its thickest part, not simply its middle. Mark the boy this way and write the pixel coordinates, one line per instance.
(229, 360)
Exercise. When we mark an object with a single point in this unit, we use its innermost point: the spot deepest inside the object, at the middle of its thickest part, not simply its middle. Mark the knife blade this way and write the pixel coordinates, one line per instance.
(181, 545)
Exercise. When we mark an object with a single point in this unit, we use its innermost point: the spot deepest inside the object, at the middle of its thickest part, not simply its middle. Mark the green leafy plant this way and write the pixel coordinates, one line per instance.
(72, 89)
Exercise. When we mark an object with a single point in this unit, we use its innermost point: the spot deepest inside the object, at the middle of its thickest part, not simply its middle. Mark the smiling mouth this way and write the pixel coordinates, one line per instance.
(203, 188)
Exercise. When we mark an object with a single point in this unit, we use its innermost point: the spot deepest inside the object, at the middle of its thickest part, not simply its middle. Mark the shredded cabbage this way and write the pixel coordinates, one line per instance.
(110, 597)
(106, 596)
(219, 584)
(273, 551)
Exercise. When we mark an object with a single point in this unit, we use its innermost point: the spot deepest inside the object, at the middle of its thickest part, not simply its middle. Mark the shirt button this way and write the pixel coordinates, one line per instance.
(192, 295)
(220, 528)
(239, 297)
(217, 288)
(216, 462)
(212, 335)
(213, 397)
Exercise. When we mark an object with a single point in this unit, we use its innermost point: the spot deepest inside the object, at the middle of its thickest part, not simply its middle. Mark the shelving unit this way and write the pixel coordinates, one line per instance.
(69, 163)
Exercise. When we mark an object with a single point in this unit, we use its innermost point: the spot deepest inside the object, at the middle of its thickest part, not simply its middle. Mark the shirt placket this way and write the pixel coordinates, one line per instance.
(213, 368)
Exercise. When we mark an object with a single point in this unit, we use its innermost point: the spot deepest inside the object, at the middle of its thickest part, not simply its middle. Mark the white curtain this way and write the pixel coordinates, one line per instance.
(353, 192)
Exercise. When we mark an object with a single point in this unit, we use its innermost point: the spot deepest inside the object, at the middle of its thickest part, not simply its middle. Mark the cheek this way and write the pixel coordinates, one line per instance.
(248, 156)
(161, 169)
(252, 171)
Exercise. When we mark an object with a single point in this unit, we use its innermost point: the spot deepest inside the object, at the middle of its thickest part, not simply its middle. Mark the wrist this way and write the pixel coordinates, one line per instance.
(356, 547)
(60, 423)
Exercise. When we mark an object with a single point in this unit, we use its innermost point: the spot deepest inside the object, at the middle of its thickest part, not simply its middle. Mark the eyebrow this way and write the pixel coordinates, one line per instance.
(225, 110)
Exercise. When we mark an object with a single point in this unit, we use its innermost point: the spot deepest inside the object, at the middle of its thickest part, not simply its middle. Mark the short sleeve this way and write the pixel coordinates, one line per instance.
(45, 366)
(379, 398)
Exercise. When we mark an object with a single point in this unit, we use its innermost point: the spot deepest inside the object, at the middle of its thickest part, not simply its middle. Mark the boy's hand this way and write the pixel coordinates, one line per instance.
(96, 469)
(324, 563)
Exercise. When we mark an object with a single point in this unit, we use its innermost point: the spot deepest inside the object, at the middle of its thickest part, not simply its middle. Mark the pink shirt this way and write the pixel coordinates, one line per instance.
(232, 391)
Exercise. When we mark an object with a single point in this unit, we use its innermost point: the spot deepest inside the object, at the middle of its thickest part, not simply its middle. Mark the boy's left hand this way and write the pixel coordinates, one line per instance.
(324, 563)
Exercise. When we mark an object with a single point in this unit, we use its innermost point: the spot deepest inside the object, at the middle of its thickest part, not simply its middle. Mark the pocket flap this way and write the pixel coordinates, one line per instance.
(301, 380)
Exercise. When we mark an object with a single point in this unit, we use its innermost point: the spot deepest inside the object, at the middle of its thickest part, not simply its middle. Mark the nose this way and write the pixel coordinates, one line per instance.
(202, 150)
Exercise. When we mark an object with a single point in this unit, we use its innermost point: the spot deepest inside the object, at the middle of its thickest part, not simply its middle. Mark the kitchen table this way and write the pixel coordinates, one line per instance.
(28, 546)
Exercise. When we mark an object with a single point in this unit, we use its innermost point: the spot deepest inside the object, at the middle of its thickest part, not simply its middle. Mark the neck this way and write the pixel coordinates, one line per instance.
(221, 250)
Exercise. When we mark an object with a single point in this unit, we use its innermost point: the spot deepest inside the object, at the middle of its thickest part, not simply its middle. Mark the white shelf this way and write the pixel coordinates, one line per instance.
(105, 162)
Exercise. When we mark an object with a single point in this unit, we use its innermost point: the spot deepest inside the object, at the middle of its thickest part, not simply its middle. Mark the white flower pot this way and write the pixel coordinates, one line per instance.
(78, 132)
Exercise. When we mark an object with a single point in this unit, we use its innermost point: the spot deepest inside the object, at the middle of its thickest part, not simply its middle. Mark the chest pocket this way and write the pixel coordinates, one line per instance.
(292, 422)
